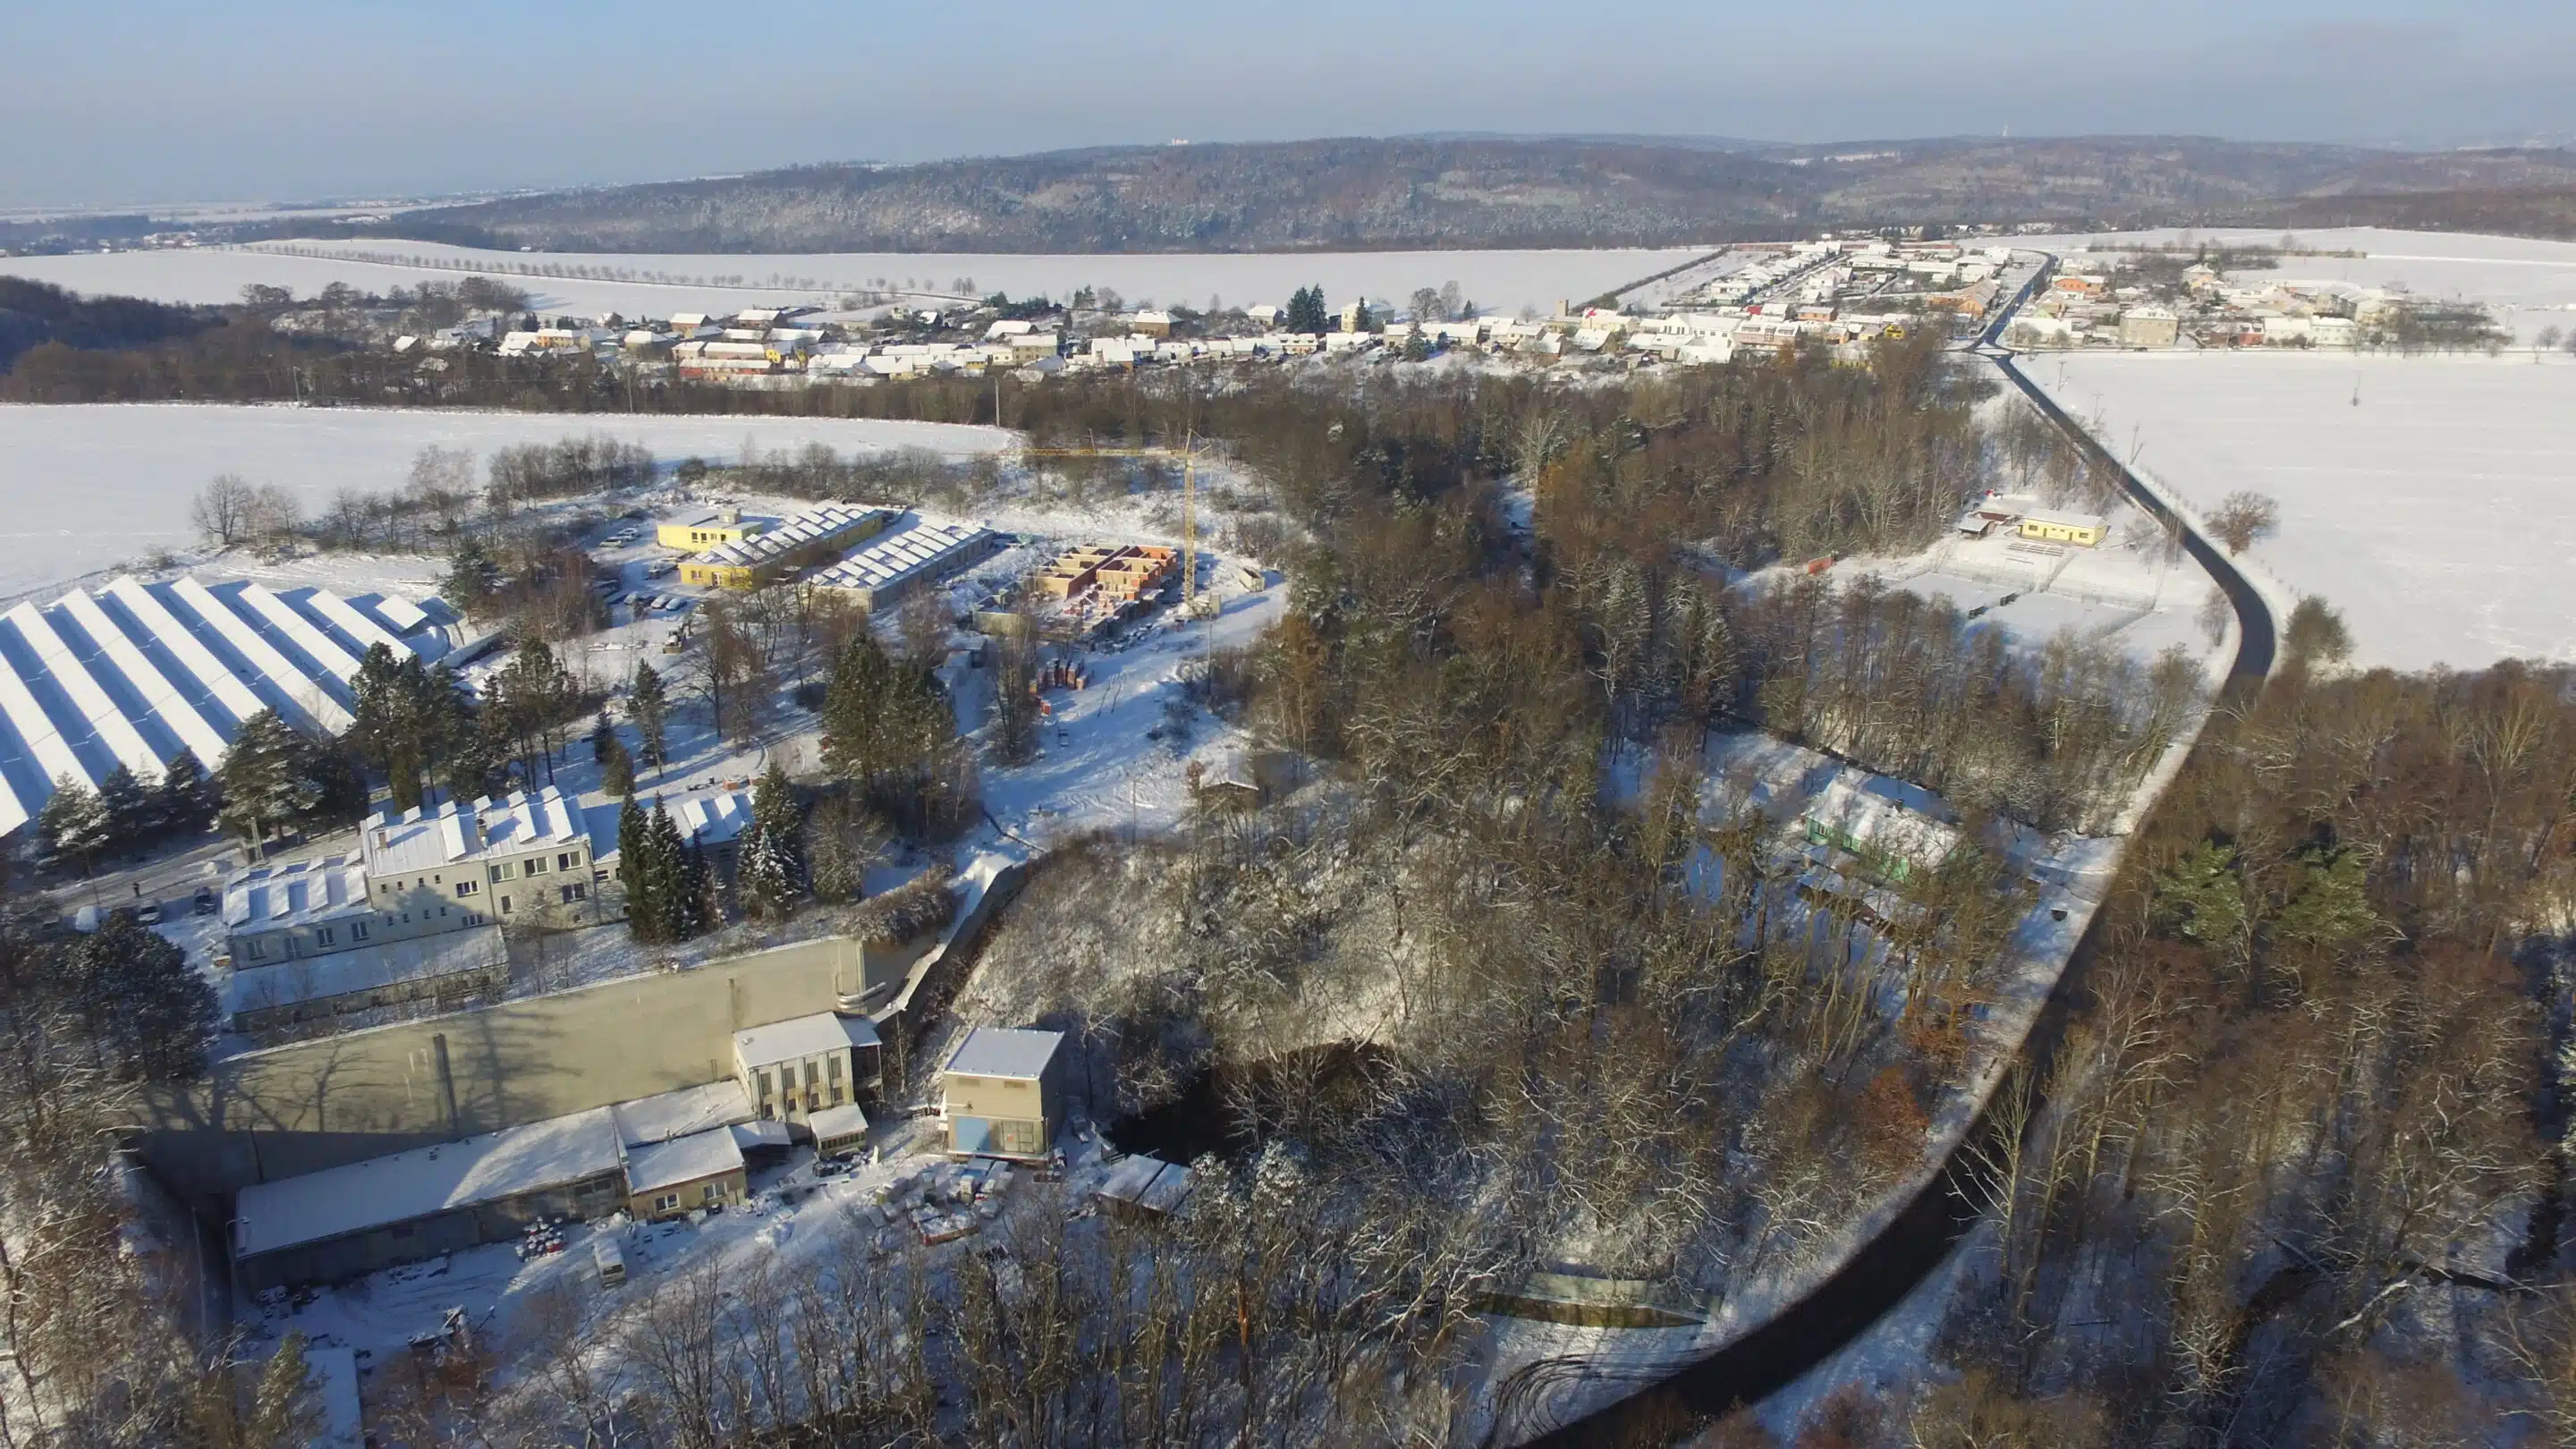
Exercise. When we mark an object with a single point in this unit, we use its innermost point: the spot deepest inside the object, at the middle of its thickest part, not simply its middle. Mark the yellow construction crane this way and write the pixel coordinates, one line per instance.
(1188, 455)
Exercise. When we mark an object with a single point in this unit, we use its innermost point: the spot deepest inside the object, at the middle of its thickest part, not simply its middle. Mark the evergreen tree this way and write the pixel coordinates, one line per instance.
(2201, 898)
(616, 766)
(73, 827)
(2330, 906)
(635, 869)
(693, 906)
(151, 1012)
(648, 706)
(1307, 312)
(665, 868)
(128, 805)
(264, 778)
(473, 579)
(766, 884)
(183, 801)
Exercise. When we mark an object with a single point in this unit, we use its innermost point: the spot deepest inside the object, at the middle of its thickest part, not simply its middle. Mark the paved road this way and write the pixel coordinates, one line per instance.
(1889, 1267)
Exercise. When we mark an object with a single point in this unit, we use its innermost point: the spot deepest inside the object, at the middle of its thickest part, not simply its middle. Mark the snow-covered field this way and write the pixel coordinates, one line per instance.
(91, 486)
(658, 284)
(2527, 284)
(2438, 514)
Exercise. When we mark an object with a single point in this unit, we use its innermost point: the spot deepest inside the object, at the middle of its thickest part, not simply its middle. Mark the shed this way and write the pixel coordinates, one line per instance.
(838, 1131)
(1146, 1186)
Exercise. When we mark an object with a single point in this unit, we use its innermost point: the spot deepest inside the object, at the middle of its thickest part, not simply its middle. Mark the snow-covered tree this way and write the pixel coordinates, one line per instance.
(73, 827)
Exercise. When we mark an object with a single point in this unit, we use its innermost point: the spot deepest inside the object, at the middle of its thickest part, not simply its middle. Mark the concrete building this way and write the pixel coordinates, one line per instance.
(1001, 1093)
(449, 969)
(794, 1068)
(2150, 326)
(2084, 530)
(491, 859)
(811, 537)
(346, 1221)
(701, 531)
(684, 1175)
(309, 908)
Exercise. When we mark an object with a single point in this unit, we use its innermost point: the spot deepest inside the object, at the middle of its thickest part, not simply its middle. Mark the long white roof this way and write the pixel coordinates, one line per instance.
(897, 558)
(803, 1036)
(383, 1191)
(682, 1160)
(822, 525)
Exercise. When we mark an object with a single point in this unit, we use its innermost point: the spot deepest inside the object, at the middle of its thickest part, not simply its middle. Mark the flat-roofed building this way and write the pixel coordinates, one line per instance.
(345, 1221)
(794, 1068)
(685, 1174)
(696, 532)
(447, 969)
(1001, 1093)
(2084, 530)
(811, 537)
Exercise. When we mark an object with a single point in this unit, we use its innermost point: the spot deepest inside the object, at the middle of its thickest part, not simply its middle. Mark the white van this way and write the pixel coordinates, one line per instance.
(612, 1263)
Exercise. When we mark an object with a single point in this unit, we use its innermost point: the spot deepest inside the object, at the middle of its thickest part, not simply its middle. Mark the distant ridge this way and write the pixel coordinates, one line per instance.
(1469, 191)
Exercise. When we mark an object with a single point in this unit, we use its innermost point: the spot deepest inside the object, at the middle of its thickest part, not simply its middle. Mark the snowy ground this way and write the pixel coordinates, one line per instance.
(2527, 284)
(92, 486)
(2438, 514)
(1497, 281)
(2127, 591)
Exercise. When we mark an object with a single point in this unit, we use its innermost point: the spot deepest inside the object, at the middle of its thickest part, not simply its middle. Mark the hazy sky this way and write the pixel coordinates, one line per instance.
(155, 101)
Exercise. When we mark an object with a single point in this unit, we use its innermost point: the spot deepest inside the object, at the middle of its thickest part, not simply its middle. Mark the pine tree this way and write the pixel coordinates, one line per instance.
(264, 777)
(767, 888)
(128, 805)
(473, 579)
(616, 767)
(635, 870)
(182, 802)
(144, 1003)
(283, 1408)
(73, 827)
(692, 910)
(648, 706)
(665, 865)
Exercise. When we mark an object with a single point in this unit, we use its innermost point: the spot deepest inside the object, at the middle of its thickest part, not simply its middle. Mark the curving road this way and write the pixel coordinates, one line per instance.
(1890, 1266)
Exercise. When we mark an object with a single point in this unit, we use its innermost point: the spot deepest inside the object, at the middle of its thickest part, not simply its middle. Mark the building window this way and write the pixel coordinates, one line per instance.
(357, 930)
(714, 1191)
(666, 1202)
(466, 888)
(763, 1075)
(832, 1068)
(536, 865)
(253, 949)
(568, 860)
(813, 1074)
(572, 893)
(836, 1094)
(501, 871)
(505, 905)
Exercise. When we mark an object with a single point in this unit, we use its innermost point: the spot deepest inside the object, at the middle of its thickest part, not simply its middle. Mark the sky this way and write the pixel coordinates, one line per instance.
(167, 101)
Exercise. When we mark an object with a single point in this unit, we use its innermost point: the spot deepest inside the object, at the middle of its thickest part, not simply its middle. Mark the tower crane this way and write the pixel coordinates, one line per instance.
(1188, 456)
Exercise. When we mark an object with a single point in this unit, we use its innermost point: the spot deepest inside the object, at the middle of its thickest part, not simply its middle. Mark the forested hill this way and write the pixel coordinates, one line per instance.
(1463, 192)
(32, 313)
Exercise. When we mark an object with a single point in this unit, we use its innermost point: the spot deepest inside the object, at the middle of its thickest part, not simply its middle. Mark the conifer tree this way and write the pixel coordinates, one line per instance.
(128, 804)
(264, 779)
(648, 706)
(182, 800)
(73, 826)
(635, 869)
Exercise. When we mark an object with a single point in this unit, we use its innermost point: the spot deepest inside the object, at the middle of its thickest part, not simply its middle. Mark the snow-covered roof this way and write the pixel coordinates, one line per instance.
(403, 842)
(366, 968)
(1001, 1051)
(709, 818)
(802, 1036)
(682, 1160)
(383, 1191)
(1147, 1182)
(2062, 519)
(814, 528)
(898, 558)
(667, 1115)
(841, 1121)
(271, 897)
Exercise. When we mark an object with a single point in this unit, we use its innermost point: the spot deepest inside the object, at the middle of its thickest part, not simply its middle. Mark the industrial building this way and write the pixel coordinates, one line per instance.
(132, 674)
(449, 970)
(809, 538)
(1001, 1093)
(698, 532)
(807, 1064)
(893, 566)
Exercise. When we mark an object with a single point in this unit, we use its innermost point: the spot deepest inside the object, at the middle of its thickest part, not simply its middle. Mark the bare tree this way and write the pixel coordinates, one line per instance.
(222, 509)
(2243, 518)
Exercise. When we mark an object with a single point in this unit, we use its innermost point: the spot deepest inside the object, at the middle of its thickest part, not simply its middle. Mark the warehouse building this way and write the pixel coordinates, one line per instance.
(809, 538)
(899, 563)
(134, 673)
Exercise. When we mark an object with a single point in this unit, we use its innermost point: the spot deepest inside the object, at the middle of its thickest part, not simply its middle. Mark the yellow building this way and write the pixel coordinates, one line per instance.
(812, 537)
(2084, 530)
(706, 530)
(668, 1179)
(999, 1095)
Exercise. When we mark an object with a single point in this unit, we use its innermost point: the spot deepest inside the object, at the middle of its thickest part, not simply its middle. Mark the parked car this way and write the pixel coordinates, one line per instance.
(206, 903)
(149, 913)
